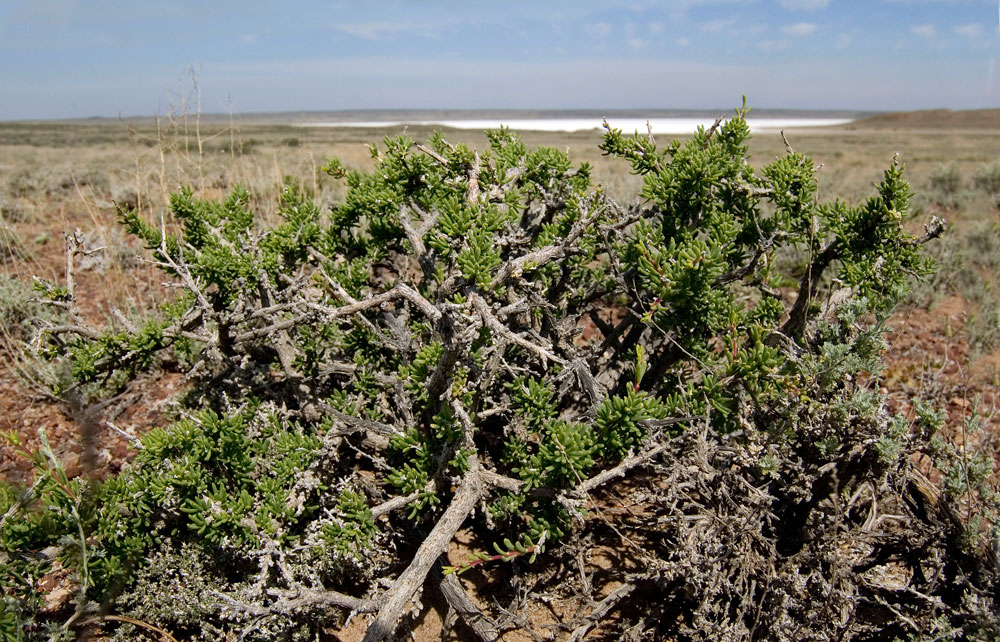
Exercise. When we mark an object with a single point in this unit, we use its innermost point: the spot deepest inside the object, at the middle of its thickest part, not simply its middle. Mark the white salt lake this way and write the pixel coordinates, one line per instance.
(627, 125)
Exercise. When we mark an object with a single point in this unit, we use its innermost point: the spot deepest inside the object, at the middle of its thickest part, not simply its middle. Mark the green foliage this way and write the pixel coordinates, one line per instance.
(354, 530)
(968, 474)
(423, 336)
(227, 480)
(619, 421)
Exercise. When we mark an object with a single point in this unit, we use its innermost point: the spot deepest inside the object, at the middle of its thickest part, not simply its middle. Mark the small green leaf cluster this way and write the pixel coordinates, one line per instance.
(968, 472)
(53, 511)
(619, 420)
(353, 530)
(225, 481)
(228, 480)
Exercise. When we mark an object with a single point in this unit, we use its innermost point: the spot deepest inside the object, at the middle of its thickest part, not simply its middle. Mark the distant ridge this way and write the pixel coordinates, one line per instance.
(969, 119)
(403, 115)
(518, 114)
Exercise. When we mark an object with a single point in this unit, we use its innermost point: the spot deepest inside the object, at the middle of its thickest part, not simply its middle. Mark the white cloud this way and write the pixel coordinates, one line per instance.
(679, 9)
(773, 45)
(718, 26)
(656, 27)
(601, 29)
(636, 43)
(379, 30)
(683, 42)
(843, 41)
(804, 5)
(924, 31)
(799, 29)
(969, 31)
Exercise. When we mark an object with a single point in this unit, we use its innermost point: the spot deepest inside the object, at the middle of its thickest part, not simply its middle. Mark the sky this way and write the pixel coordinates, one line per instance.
(82, 58)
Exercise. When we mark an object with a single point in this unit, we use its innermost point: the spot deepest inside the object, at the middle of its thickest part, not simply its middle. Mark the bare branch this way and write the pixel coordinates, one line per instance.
(396, 602)
(473, 195)
(451, 587)
(433, 154)
(494, 324)
(603, 608)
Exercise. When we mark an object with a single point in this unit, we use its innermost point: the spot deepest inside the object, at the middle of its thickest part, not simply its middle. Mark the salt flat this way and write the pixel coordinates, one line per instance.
(656, 125)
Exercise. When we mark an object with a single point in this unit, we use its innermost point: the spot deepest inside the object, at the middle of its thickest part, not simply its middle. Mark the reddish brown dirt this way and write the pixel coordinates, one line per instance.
(929, 359)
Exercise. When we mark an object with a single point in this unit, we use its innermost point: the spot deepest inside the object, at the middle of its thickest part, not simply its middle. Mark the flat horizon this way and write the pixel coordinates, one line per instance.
(305, 116)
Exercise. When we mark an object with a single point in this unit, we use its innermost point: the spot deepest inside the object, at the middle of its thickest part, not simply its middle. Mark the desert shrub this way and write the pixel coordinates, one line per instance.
(946, 178)
(23, 184)
(97, 181)
(239, 147)
(946, 185)
(969, 266)
(12, 247)
(987, 178)
(18, 306)
(485, 338)
(13, 211)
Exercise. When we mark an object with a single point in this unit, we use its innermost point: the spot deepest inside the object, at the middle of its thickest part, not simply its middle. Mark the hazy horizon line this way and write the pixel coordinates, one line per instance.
(348, 114)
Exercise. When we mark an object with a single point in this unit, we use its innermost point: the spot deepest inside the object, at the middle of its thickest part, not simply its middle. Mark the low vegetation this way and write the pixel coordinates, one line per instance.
(687, 381)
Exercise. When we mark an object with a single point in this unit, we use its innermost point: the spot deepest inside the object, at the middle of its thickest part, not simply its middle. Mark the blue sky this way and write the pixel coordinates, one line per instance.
(78, 58)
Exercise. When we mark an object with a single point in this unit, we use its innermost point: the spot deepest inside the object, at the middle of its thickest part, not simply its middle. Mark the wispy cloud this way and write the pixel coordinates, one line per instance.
(773, 45)
(969, 31)
(600, 29)
(718, 26)
(631, 39)
(679, 9)
(804, 5)
(386, 29)
(799, 29)
(924, 31)
(842, 42)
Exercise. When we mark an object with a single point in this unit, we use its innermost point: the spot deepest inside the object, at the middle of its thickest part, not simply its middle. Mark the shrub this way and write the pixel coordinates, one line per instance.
(13, 211)
(17, 308)
(11, 246)
(485, 337)
(947, 179)
(988, 178)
